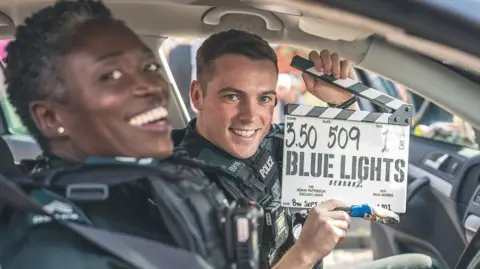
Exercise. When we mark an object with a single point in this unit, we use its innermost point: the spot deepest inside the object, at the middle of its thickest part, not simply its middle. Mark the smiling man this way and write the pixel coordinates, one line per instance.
(235, 97)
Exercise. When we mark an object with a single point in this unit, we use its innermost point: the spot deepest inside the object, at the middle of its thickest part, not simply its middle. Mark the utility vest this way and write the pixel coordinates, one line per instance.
(195, 212)
(258, 180)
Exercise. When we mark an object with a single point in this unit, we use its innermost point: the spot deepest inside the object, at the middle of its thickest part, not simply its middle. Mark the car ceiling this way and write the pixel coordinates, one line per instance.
(374, 46)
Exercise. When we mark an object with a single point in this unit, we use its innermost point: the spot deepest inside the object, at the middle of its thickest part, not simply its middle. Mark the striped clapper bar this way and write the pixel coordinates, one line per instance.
(401, 113)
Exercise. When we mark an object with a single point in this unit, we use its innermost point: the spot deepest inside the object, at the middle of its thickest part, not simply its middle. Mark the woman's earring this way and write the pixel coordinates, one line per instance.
(61, 130)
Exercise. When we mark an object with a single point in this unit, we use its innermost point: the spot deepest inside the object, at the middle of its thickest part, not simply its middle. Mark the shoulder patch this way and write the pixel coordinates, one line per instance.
(59, 207)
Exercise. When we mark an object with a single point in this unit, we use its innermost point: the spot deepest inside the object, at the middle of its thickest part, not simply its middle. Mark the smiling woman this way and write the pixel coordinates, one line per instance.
(101, 101)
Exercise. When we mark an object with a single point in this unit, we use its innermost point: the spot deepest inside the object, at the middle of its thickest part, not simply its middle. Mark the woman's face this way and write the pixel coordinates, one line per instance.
(116, 97)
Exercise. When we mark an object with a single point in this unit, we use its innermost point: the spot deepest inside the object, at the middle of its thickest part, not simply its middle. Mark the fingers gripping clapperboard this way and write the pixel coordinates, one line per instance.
(360, 157)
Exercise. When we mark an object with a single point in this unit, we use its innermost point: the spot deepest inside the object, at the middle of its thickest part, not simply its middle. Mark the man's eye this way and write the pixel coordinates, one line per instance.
(152, 67)
(231, 97)
(114, 75)
(265, 99)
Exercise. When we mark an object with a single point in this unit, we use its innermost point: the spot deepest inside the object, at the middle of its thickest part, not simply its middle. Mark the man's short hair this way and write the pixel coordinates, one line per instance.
(230, 42)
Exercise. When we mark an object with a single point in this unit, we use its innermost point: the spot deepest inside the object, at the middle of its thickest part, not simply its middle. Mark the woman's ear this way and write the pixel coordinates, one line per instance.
(196, 95)
(47, 117)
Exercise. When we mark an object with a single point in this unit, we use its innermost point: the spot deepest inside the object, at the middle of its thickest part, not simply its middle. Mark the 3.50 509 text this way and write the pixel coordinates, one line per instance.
(308, 136)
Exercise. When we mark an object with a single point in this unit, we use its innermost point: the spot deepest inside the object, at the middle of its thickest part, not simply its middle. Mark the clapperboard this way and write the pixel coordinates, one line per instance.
(356, 156)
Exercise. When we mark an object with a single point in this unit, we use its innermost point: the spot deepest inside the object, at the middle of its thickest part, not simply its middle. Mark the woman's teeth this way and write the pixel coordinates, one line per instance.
(152, 115)
(243, 133)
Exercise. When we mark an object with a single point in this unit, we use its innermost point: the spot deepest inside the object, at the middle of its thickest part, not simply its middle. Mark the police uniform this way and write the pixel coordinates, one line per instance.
(165, 202)
(257, 178)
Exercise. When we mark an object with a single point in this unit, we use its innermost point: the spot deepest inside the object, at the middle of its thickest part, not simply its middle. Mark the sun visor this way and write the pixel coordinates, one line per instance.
(330, 29)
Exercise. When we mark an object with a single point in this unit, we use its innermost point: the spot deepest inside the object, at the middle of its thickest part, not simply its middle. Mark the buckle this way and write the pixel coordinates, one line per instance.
(87, 192)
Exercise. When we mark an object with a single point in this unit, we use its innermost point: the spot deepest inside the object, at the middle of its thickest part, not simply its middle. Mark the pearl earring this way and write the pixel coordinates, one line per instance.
(61, 130)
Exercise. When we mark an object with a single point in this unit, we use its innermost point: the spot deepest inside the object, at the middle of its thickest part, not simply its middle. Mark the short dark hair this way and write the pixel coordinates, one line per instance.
(227, 42)
(32, 57)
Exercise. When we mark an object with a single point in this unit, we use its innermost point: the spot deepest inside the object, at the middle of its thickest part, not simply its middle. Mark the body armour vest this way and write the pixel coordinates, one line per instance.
(189, 204)
(257, 178)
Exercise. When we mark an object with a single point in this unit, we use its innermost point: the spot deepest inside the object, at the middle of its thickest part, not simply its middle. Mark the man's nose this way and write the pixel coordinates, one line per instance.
(248, 110)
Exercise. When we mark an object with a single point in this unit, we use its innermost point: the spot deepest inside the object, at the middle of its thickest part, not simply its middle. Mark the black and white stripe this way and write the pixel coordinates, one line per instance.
(348, 84)
(336, 113)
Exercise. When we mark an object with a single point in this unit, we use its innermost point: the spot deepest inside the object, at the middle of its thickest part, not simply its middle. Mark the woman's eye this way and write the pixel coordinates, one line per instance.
(116, 74)
(152, 67)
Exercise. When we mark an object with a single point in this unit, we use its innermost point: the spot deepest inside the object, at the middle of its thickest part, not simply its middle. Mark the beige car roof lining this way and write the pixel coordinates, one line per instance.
(381, 48)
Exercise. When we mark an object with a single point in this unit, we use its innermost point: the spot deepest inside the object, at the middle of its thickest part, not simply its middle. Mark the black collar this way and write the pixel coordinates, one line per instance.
(193, 142)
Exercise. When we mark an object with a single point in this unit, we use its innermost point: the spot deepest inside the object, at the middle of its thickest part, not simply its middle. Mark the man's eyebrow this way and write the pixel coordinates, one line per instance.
(268, 92)
(230, 89)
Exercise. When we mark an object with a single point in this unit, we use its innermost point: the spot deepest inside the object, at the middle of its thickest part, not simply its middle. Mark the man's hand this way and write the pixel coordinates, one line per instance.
(330, 64)
(321, 232)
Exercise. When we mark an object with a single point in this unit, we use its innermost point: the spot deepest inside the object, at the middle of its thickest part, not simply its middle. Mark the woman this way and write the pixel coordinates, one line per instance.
(85, 85)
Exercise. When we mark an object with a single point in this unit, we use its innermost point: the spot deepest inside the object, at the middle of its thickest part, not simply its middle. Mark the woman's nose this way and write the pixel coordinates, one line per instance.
(145, 85)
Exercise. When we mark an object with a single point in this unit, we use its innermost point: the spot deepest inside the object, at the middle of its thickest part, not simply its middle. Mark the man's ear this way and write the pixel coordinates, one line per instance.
(46, 116)
(196, 95)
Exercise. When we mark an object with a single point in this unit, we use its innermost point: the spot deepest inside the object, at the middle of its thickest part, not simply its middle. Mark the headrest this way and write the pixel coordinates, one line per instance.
(7, 163)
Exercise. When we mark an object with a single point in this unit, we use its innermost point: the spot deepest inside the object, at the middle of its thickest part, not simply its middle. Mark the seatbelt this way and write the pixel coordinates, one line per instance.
(469, 252)
(139, 252)
(237, 170)
(176, 220)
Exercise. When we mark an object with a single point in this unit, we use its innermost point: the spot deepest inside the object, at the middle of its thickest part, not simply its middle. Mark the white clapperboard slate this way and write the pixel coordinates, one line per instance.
(358, 156)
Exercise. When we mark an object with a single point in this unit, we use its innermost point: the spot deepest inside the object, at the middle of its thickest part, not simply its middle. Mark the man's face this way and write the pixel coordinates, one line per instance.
(236, 108)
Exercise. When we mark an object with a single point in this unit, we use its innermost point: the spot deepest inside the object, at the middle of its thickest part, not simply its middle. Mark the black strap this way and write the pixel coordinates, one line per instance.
(233, 168)
(139, 252)
(174, 213)
(96, 177)
(469, 253)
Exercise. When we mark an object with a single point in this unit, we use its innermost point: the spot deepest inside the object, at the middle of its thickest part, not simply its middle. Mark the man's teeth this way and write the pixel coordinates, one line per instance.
(244, 133)
(149, 116)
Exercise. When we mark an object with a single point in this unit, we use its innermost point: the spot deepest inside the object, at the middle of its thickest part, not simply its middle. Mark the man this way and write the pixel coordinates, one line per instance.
(234, 95)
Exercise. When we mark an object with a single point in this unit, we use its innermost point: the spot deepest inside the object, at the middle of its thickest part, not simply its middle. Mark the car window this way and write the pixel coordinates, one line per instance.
(14, 122)
(15, 125)
(430, 120)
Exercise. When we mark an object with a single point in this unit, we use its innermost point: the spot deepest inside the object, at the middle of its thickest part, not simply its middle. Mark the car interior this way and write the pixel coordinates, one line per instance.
(443, 208)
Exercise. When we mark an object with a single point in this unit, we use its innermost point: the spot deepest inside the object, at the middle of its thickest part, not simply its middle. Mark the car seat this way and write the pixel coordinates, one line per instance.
(8, 169)
(7, 163)
(177, 136)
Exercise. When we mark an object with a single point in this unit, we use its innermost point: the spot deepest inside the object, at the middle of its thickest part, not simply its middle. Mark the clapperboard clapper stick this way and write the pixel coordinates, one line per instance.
(358, 156)
(402, 113)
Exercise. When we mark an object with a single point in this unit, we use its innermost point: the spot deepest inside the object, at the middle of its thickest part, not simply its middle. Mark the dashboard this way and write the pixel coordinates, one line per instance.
(443, 204)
